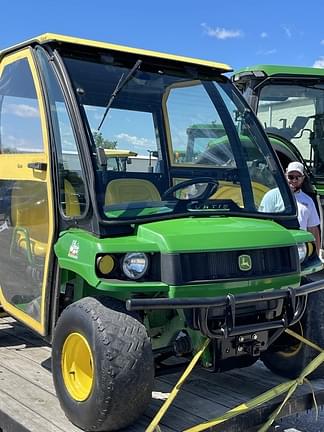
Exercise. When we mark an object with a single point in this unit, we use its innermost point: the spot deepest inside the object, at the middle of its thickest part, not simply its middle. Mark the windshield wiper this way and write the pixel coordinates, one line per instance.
(120, 85)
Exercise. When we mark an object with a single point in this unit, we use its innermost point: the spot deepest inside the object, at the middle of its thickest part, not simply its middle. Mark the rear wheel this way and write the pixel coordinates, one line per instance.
(102, 365)
(287, 356)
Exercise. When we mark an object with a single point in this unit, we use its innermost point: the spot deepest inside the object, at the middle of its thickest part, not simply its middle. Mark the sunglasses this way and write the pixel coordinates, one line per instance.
(292, 177)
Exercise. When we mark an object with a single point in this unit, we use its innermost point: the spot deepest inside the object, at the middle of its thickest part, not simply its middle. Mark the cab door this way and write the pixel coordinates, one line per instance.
(26, 202)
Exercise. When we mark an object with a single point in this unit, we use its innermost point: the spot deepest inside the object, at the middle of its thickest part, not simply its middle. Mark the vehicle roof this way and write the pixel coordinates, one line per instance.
(119, 153)
(271, 70)
(52, 37)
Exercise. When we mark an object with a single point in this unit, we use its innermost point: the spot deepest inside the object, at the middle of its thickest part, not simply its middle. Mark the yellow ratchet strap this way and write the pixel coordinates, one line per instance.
(288, 387)
(154, 425)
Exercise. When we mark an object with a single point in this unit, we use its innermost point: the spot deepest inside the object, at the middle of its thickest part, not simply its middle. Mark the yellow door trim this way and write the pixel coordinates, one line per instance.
(27, 173)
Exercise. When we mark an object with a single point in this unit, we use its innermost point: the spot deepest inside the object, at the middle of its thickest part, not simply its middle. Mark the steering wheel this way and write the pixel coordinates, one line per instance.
(212, 186)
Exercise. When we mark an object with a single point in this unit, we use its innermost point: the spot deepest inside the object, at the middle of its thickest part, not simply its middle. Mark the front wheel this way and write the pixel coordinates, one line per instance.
(102, 364)
(288, 356)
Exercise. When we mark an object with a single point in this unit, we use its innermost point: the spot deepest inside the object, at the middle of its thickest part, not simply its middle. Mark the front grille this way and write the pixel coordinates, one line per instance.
(210, 266)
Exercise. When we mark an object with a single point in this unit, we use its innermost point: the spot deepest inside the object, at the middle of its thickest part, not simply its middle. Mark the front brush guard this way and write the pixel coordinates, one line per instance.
(294, 304)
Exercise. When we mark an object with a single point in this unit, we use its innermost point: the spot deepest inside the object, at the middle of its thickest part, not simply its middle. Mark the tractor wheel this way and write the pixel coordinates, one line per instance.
(102, 364)
(288, 356)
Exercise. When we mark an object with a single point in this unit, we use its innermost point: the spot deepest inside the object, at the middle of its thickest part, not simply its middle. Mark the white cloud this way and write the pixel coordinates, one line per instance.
(22, 144)
(264, 35)
(267, 52)
(322, 42)
(221, 33)
(134, 140)
(319, 63)
(22, 110)
(287, 31)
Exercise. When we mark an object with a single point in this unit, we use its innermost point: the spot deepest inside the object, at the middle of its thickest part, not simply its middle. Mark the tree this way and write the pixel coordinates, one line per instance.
(100, 141)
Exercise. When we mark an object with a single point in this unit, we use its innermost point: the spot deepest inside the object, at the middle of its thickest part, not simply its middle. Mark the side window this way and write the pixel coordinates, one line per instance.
(20, 130)
(71, 180)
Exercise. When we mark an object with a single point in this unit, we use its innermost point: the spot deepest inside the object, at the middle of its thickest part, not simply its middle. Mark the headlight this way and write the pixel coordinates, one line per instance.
(105, 264)
(135, 265)
(302, 251)
(310, 248)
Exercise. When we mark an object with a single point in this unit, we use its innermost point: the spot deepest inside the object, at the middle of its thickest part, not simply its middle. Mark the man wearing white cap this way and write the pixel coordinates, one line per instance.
(307, 214)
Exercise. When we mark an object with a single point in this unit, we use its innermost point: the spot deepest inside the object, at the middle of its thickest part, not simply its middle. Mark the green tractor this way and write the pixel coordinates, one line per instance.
(123, 266)
(289, 102)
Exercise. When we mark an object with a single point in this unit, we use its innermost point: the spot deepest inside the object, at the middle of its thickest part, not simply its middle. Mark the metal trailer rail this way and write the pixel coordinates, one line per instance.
(28, 402)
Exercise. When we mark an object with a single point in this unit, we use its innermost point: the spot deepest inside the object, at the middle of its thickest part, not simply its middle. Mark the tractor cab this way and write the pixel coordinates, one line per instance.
(289, 102)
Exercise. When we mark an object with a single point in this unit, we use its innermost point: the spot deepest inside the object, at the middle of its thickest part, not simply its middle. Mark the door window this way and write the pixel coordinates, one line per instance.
(20, 130)
(25, 225)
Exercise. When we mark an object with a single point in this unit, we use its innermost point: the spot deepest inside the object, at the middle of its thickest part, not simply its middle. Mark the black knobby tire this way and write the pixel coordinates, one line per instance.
(291, 360)
(123, 370)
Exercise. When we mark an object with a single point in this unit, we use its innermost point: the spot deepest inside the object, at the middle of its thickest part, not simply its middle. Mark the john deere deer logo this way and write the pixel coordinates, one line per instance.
(245, 262)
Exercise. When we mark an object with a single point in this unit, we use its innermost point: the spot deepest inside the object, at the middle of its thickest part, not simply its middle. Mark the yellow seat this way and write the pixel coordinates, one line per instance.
(130, 190)
(228, 190)
(30, 219)
(29, 212)
(72, 205)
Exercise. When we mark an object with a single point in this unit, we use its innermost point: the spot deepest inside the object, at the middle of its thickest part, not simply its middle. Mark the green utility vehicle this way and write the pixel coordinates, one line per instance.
(122, 269)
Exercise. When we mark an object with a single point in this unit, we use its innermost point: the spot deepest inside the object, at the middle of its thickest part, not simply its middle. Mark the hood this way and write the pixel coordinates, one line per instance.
(214, 233)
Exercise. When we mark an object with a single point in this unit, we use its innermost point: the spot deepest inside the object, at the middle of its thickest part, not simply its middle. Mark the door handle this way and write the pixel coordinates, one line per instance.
(40, 166)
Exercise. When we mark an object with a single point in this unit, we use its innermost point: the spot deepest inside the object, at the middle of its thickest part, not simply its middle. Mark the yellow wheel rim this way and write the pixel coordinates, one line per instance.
(293, 349)
(77, 366)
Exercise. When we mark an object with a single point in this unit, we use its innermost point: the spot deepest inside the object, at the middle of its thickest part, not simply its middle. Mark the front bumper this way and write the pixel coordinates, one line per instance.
(294, 302)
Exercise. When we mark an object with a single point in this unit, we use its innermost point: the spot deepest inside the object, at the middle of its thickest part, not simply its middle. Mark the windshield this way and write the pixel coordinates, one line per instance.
(194, 145)
(296, 113)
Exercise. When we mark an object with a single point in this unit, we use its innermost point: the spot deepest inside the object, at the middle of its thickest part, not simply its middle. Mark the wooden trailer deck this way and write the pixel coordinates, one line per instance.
(28, 401)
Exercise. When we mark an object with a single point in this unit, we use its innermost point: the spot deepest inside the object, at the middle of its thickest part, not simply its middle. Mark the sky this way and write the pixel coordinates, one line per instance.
(240, 34)
(237, 33)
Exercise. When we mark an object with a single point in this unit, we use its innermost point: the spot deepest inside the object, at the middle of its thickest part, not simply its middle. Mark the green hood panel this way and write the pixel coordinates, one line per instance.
(214, 233)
